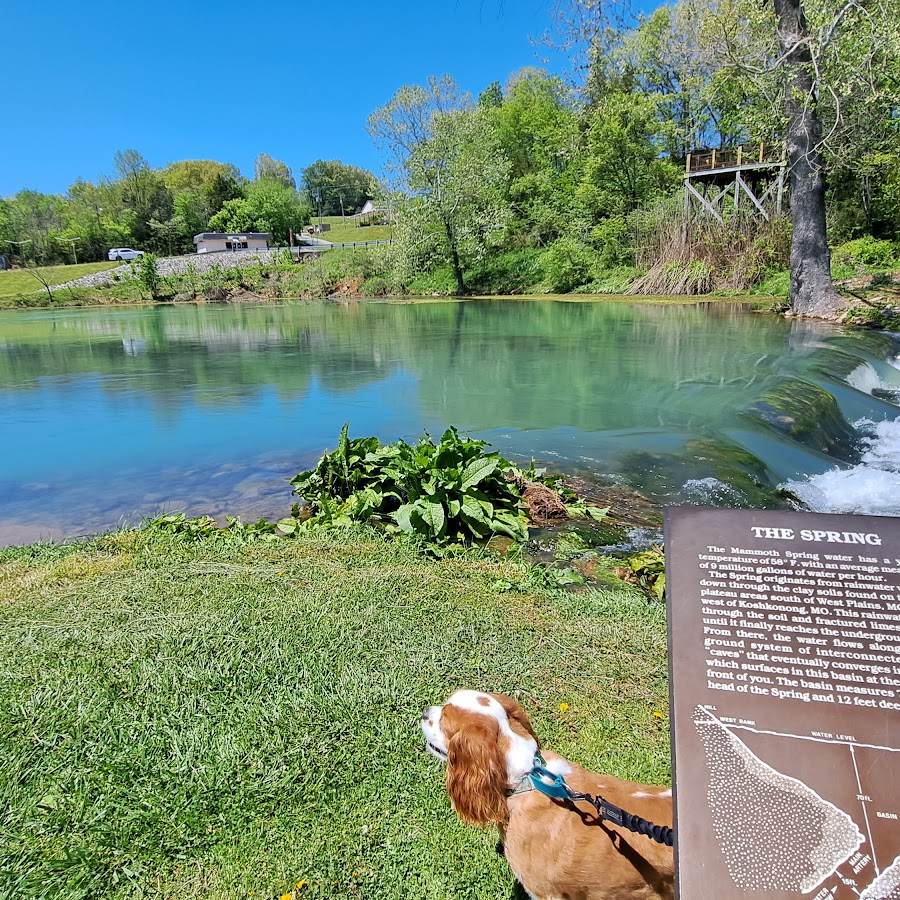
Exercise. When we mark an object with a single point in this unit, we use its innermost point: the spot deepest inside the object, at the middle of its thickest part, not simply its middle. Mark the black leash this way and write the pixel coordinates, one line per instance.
(612, 813)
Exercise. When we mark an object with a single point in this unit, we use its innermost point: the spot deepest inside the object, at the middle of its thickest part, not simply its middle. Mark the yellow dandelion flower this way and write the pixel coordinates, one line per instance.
(286, 897)
(301, 885)
(658, 715)
(563, 707)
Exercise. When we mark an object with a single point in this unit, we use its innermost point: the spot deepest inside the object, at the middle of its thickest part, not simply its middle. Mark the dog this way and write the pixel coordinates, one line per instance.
(556, 848)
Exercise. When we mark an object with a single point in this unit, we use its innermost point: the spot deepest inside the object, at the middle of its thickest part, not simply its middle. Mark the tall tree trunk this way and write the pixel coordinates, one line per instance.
(812, 292)
(454, 258)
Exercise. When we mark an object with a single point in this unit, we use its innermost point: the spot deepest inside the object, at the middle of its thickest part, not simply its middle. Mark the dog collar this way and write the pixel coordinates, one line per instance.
(541, 779)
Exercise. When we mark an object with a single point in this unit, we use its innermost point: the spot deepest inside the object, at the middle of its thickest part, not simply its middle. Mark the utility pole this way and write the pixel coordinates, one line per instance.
(73, 242)
(21, 252)
(317, 196)
(99, 210)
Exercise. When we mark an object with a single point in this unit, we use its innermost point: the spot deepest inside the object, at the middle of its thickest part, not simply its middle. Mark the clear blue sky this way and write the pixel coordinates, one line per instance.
(226, 80)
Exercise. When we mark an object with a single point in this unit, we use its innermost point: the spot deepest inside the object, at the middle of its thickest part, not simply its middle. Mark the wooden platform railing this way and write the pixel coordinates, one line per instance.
(743, 155)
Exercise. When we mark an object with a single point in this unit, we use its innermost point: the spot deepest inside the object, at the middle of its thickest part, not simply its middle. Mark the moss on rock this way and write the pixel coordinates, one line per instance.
(807, 414)
(722, 474)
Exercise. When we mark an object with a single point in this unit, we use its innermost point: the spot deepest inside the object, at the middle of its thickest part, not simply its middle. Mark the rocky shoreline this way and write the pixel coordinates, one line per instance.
(179, 265)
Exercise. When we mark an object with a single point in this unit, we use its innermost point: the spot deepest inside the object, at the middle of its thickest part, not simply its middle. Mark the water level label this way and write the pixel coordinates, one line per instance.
(784, 659)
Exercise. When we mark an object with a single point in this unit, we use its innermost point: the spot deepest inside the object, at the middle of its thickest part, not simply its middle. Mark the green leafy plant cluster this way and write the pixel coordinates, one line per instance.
(650, 568)
(872, 316)
(442, 492)
(868, 252)
(148, 276)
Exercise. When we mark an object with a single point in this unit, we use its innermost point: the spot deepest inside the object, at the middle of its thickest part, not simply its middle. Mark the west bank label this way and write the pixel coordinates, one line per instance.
(784, 656)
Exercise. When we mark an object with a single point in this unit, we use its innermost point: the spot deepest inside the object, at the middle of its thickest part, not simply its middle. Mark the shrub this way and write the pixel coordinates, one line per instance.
(868, 251)
(566, 264)
(613, 242)
(148, 276)
(449, 491)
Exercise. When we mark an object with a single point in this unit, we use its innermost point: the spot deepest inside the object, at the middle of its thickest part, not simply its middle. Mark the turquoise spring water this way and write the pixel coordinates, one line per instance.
(110, 415)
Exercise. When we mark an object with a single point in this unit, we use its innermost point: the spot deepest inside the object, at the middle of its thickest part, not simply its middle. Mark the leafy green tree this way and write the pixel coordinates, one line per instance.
(269, 207)
(343, 189)
(199, 175)
(268, 169)
(447, 158)
(37, 218)
(209, 184)
(143, 192)
(537, 125)
(491, 96)
(624, 165)
(148, 276)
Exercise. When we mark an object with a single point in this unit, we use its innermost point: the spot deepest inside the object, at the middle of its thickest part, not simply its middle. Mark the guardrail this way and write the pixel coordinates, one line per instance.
(327, 245)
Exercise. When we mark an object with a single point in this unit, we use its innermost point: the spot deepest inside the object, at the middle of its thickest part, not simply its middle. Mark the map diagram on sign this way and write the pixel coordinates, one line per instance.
(777, 833)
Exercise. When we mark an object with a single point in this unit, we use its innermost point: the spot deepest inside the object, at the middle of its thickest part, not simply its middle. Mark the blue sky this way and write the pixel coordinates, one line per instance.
(226, 80)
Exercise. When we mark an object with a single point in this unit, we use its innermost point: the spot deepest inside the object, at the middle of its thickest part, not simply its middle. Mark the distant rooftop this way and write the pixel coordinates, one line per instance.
(229, 236)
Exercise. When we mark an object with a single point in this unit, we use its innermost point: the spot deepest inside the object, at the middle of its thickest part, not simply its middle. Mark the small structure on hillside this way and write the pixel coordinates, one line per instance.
(369, 214)
(220, 242)
(4, 262)
(750, 178)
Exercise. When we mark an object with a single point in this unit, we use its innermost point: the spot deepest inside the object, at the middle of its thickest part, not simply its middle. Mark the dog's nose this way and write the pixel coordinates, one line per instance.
(425, 714)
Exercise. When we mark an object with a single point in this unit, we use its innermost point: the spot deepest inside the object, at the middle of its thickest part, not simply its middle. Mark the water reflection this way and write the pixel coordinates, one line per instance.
(107, 414)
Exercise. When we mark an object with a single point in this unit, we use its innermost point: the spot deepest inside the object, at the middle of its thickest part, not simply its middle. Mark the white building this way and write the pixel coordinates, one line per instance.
(219, 242)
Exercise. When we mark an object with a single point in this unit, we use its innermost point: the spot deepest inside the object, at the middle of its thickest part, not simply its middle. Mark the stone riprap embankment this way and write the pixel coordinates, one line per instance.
(178, 265)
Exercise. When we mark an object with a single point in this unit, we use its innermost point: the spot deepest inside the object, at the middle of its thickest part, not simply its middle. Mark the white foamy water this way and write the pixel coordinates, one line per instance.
(871, 488)
(710, 492)
(865, 378)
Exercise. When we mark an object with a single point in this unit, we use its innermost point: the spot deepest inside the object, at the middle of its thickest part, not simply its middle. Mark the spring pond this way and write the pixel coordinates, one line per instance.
(111, 415)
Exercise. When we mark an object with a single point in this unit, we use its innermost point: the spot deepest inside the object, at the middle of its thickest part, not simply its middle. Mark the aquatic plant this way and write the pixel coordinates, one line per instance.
(443, 492)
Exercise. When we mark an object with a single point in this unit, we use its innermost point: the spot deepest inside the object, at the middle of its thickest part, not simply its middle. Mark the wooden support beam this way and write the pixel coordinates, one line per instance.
(752, 196)
(689, 189)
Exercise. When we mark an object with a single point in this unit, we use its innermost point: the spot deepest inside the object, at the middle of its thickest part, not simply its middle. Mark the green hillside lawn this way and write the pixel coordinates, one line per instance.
(19, 281)
(231, 716)
(345, 232)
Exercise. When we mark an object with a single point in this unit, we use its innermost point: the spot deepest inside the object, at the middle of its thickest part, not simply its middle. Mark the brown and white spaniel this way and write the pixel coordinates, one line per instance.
(557, 849)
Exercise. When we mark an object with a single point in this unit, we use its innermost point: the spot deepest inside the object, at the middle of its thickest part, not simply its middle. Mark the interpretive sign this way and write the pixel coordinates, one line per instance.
(784, 648)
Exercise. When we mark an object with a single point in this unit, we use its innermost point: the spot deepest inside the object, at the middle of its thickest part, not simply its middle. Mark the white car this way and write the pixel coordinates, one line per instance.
(124, 253)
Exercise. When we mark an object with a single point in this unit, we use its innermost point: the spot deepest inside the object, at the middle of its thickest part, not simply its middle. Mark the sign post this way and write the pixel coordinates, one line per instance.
(784, 649)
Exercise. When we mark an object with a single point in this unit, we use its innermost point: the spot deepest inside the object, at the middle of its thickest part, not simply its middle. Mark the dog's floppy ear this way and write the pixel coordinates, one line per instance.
(476, 772)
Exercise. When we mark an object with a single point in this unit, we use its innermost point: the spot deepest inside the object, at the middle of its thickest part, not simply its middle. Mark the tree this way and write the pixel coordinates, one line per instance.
(207, 182)
(269, 207)
(343, 189)
(268, 169)
(143, 192)
(491, 96)
(624, 165)
(808, 57)
(37, 218)
(148, 276)
(537, 125)
(446, 157)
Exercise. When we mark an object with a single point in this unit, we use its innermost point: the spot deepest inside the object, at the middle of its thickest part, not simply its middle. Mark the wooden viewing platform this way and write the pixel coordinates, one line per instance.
(748, 176)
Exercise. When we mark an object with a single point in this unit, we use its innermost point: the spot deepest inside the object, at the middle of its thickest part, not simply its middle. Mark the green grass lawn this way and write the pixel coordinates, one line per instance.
(349, 231)
(19, 281)
(232, 716)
